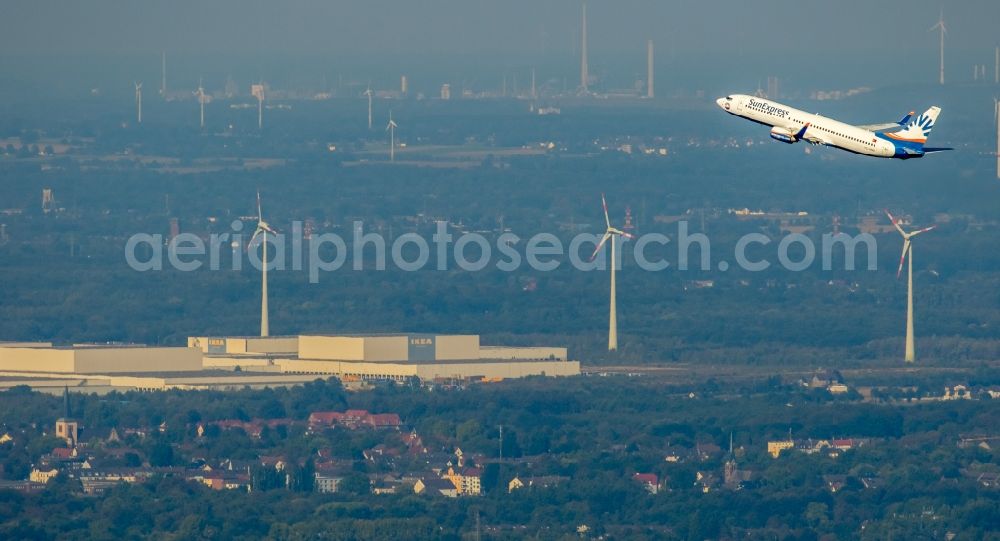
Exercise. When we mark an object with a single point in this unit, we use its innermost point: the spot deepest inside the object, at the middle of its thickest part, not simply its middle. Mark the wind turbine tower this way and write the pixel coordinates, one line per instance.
(391, 128)
(200, 93)
(258, 92)
(262, 229)
(907, 256)
(649, 69)
(138, 102)
(368, 93)
(584, 74)
(941, 27)
(611, 233)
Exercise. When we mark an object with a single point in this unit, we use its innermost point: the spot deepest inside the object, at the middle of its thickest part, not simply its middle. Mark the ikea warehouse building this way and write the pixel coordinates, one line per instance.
(96, 359)
(424, 356)
(388, 356)
(251, 361)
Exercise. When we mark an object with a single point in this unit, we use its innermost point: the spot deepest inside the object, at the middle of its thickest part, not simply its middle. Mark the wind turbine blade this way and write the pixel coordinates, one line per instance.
(600, 245)
(604, 203)
(924, 230)
(895, 222)
(260, 215)
(902, 257)
(627, 235)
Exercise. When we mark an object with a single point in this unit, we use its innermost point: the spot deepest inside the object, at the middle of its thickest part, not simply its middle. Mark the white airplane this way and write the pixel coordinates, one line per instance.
(904, 139)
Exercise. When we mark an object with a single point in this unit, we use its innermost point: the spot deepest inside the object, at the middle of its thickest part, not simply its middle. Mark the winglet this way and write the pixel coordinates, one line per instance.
(906, 118)
(801, 133)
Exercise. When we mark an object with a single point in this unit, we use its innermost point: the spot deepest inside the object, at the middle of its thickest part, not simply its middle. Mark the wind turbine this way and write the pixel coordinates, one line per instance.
(262, 229)
(201, 101)
(611, 233)
(391, 128)
(368, 93)
(908, 251)
(138, 101)
(257, 91)
(940, 26)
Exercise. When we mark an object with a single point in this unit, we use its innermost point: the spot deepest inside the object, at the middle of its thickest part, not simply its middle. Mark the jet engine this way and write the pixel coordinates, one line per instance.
(784, 135)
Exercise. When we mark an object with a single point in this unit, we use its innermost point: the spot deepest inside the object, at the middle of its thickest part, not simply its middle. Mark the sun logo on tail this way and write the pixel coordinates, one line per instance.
(916, 130)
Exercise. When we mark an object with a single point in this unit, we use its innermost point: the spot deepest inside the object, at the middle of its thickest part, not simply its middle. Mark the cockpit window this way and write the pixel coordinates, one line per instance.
(729, 98)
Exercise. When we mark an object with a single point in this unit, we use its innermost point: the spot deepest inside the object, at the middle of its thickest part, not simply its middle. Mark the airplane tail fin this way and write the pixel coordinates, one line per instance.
(915, 130)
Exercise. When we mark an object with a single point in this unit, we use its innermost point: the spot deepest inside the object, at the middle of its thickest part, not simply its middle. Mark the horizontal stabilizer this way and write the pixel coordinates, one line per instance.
(889, 126)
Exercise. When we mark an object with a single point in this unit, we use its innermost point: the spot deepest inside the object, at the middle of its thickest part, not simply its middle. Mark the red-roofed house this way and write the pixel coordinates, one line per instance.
(384, 420)
(324, 419)
(63, 453)
(650, 481)
(353, 419)
(843, 445)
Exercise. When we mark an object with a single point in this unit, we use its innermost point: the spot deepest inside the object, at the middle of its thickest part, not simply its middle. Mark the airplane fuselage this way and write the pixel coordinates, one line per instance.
(790, 125)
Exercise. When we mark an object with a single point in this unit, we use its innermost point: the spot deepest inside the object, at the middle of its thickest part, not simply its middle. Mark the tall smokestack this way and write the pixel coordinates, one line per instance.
(649, 69)
(584, 76)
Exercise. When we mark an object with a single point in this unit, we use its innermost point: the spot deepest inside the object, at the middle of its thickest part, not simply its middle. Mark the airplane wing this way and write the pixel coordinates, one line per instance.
(888, 125)
(813, 138)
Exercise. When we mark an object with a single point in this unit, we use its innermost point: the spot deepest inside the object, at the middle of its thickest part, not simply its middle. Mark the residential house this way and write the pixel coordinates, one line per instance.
(327, 483)
(774, 448)
(675, 454)
(706, 481)
(468, 481)
(97, 482)
(42, 476)
(381, 454)
(958, 392)
(835, 483)
(825, 378)
(435, 486)
(223, 480)
(544, 481)
(353, 419)
(649, 481)
(872, 483)
(811, 446)
(414, 444)
(985, 479)
(707, 451)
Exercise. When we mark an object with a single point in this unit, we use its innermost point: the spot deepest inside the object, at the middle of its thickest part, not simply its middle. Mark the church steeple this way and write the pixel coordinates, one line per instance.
(66, 411)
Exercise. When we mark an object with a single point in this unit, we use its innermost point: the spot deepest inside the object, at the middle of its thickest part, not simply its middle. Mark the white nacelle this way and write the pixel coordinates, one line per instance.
(783, 135)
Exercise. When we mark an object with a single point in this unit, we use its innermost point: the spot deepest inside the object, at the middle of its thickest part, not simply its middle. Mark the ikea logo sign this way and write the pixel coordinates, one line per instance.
(421, 348)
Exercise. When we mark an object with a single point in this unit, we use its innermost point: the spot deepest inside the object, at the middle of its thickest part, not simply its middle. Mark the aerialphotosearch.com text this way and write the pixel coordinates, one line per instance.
(508, 252)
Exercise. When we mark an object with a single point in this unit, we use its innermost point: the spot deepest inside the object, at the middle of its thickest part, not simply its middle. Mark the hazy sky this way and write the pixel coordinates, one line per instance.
(354, 27)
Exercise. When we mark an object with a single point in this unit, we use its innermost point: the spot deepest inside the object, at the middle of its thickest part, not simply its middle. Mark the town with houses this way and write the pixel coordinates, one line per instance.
(399, 461)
